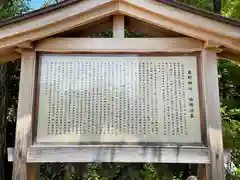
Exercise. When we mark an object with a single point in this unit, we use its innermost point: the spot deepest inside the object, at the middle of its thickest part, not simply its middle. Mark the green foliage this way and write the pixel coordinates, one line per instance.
(14, 8)
(233, 175)
(113, 171)
(231, 8)
(203, 4)
(49, 2)
(231, 130)
(229, 74)
(229, 84)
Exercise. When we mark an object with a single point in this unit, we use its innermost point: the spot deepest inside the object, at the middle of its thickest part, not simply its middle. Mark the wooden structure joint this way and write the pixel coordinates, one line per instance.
(18, 50)
(26, 45)
(211, 45)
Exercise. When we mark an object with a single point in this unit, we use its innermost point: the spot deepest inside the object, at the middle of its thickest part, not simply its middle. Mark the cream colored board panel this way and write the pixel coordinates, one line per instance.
(118, 98)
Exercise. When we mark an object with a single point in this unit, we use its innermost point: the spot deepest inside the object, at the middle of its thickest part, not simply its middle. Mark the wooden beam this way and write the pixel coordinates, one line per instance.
(131, 45)
(187, 19)
(210, 90)
(211, 44)
(151, 12)
(141, 10)
(24, 123)
(26, 45)
(118, 26)
(230, 55)
(96, 28)
(202, 172)
(50, 18)
(89, 29)
(113, 153)
(149, 30)
(19, 50)
(203, 166)
(214, 46)
(12, 56)
(117, 153)
(84, 17)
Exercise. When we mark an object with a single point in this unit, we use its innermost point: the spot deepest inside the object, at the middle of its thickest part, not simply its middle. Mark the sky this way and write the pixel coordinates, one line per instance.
(35, 4)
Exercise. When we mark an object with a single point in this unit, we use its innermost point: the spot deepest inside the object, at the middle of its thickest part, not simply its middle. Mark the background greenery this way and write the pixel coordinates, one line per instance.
(229, 74)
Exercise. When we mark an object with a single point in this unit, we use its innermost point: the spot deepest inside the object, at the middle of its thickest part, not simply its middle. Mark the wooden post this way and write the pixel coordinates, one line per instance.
(202, 172)
(118, 26)
(210, 90)
(22, 170)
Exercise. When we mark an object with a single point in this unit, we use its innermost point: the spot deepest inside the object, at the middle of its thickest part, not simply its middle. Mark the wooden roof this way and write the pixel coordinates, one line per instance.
(214, 29)
(173, 3)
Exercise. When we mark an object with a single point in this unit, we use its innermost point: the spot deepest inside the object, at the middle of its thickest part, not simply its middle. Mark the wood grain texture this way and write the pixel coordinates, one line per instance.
(230, 55)
(66, 45)
(95, 153)
(118, 26)
(26, 45)
(175, 15)
(186, 18)
(9, 56)
(203, 166)
(96, 28)
(23, 137)
(61, 26)
(202, 172)
(154, 16)
(49, 18)
(212, 113)
(134, 25)
(89, 29)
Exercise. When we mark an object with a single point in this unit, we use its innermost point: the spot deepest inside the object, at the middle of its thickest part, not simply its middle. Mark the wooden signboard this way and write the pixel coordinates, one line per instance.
(153, 99)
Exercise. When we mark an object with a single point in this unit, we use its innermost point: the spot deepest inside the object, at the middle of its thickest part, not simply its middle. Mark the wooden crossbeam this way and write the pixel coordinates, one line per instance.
(131, 45)
(120, 153)
(4, 58)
